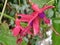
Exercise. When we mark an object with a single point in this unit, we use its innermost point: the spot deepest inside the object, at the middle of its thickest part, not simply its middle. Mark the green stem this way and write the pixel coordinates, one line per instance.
(3, 10)
(8, 16)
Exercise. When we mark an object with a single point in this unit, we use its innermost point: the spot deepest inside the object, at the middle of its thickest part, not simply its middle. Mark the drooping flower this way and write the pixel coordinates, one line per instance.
(18, 29)
(33, 21)
(38, 13)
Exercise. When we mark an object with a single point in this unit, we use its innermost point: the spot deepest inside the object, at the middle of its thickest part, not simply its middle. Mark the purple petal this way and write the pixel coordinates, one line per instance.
(31, 23)
(41, 15)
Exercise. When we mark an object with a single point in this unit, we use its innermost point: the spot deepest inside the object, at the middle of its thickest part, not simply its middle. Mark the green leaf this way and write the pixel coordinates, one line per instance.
(40, 2)
(24, 42)
(6, 37)
(51, 2)
(58, 6)
(56, 25)
(50, 13)
(4, 28)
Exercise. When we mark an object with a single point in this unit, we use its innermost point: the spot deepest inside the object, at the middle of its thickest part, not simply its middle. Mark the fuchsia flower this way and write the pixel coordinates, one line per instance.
(19, 30)
(33, 21)
(38, 13)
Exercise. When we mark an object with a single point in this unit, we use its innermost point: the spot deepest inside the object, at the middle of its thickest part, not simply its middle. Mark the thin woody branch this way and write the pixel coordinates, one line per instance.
(55, 31)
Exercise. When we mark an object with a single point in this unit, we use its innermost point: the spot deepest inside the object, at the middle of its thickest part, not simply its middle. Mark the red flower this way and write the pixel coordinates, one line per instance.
(33, 21)
(46, 20)
(38, 12)
(19, 29)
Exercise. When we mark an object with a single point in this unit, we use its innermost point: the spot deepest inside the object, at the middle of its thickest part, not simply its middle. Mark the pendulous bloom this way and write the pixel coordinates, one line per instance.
(33, 21)
(37, 15)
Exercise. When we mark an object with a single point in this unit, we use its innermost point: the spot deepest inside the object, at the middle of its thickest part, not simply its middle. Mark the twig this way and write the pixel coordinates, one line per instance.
(3, 10)
(55, 31)
(8, 5)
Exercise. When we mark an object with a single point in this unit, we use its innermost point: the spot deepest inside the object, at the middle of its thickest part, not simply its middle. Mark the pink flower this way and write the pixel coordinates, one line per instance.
(16, 30)
(33, 21)
(46, 20)
(19, 30)
(38, 13)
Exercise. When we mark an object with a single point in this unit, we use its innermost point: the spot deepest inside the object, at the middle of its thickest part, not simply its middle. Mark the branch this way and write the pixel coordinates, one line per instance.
(55, 31)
